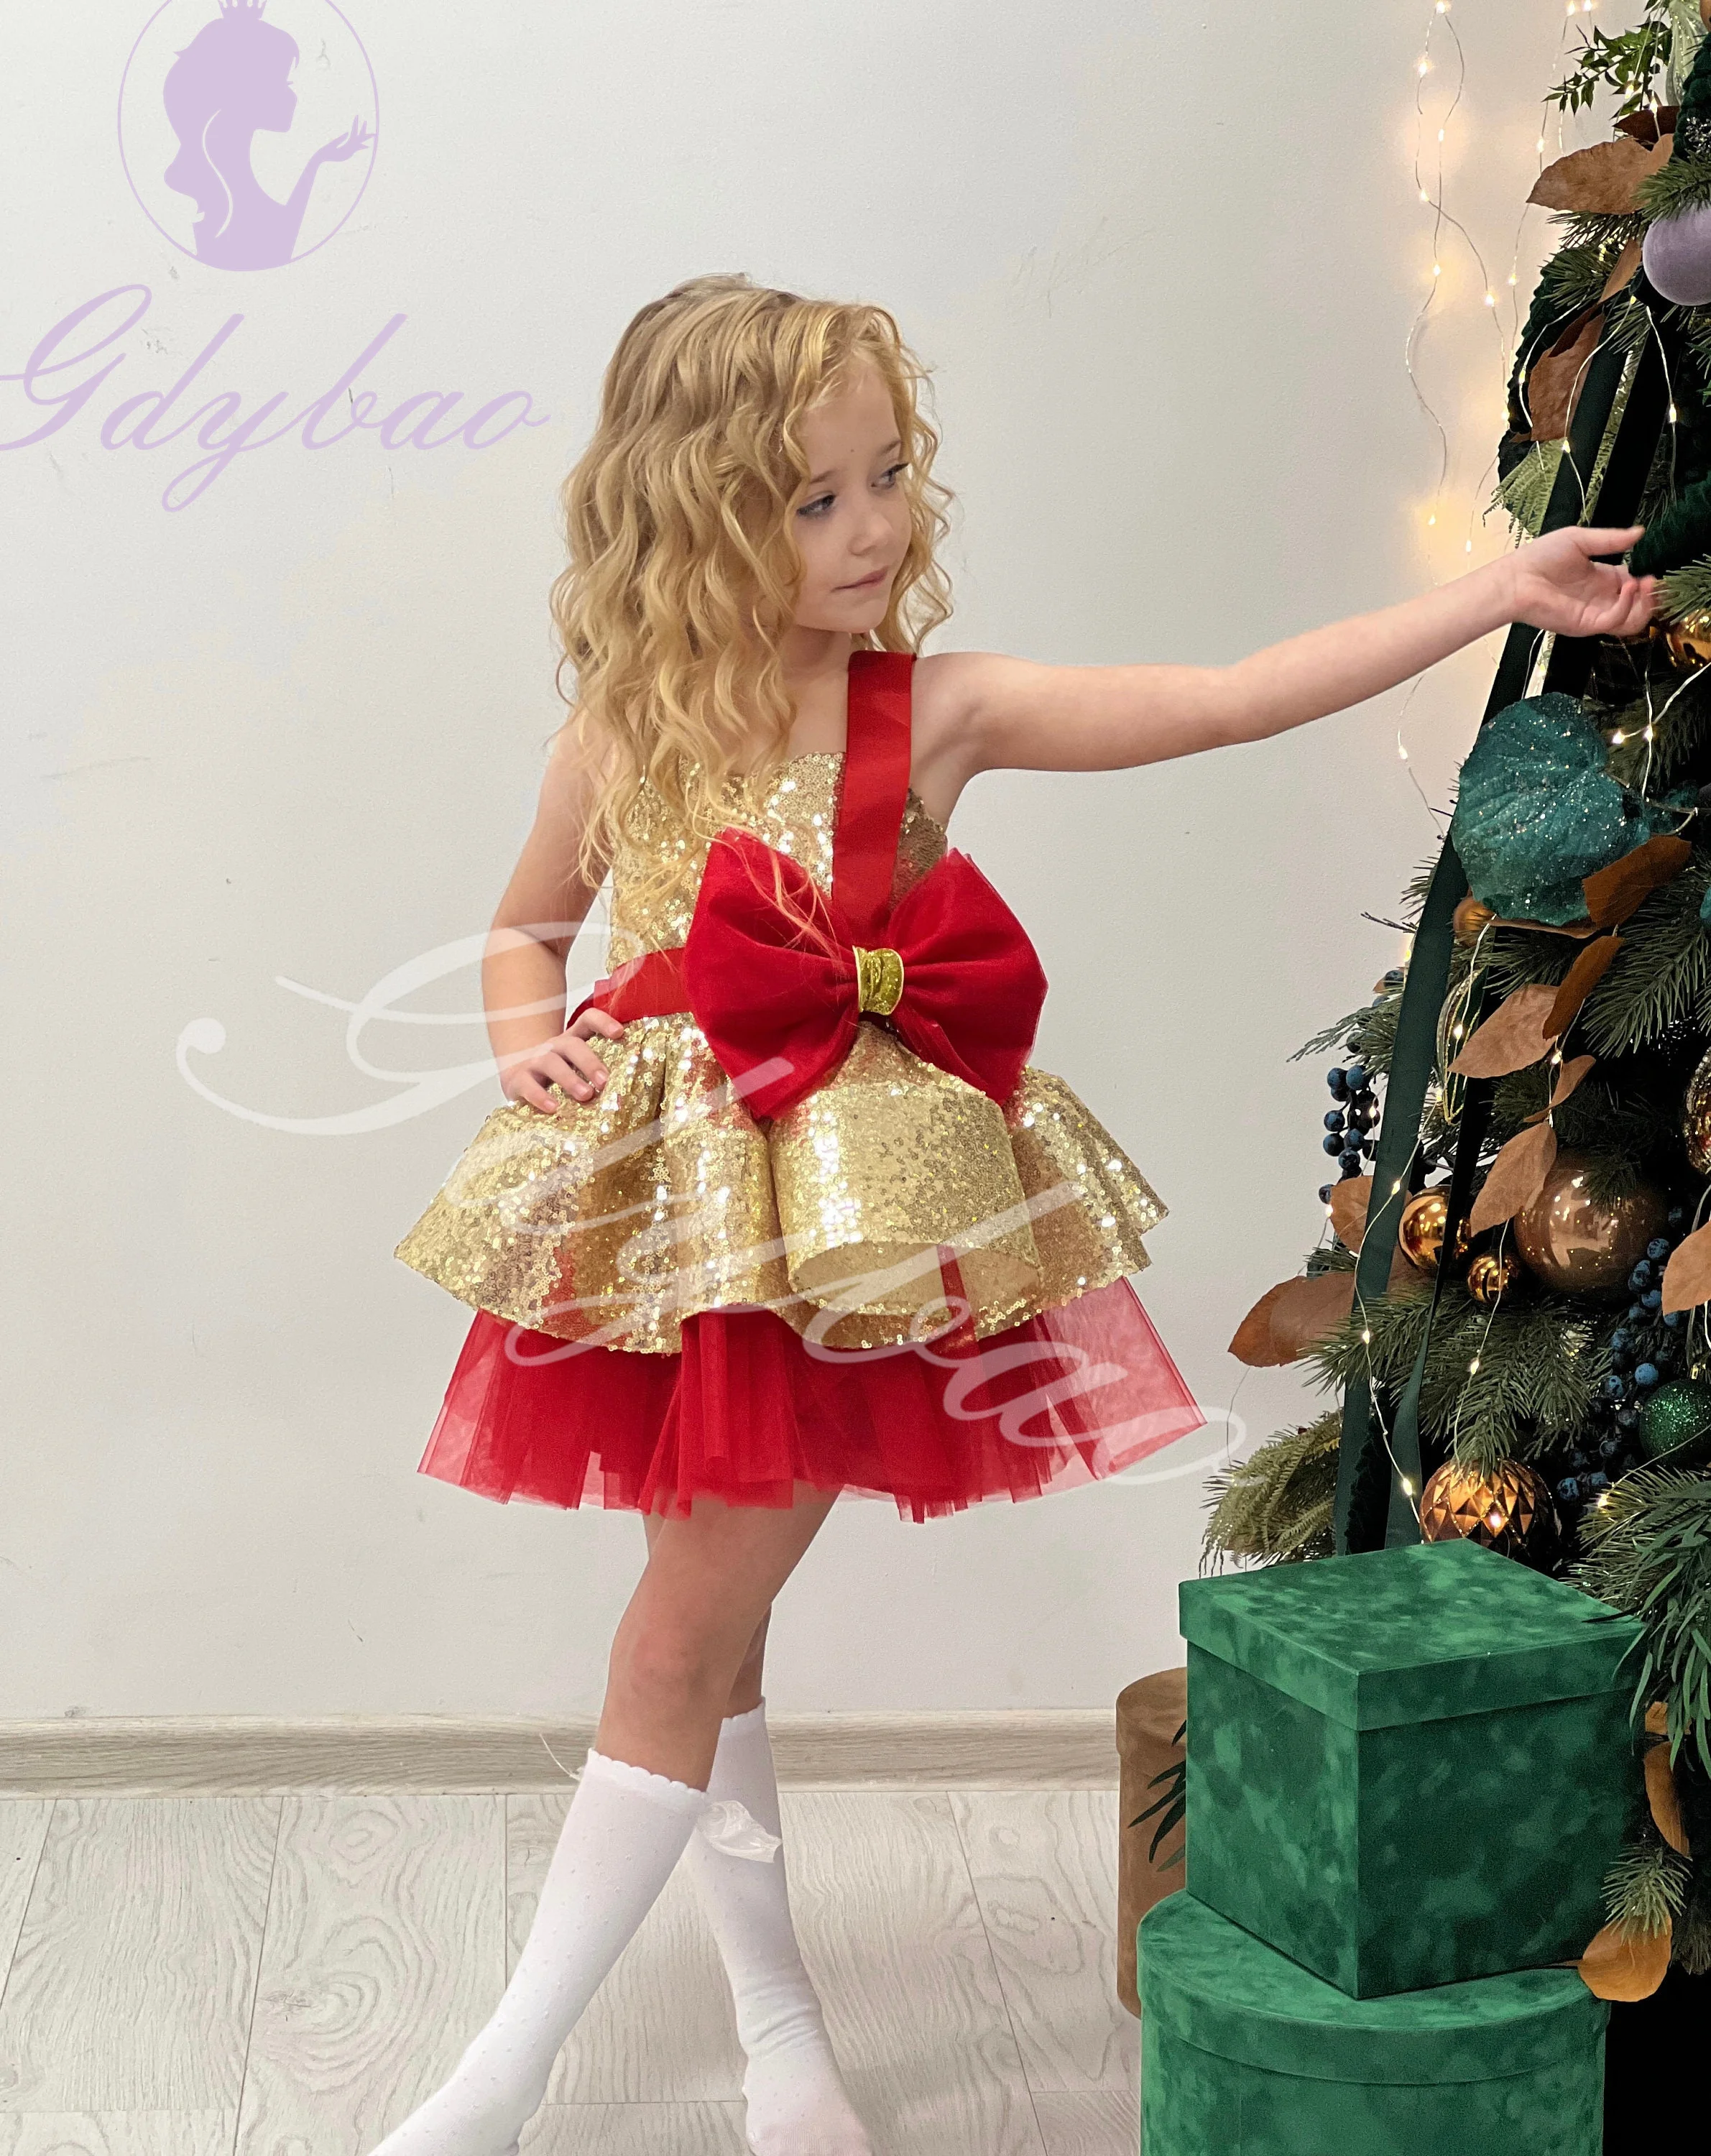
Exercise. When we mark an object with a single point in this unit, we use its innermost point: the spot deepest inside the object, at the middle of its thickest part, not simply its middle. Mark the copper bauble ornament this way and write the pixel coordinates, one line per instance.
(1494, 1274)
(1470, 921)
(1696, 1119)
(1420, 1230)
(1508, 1508)
(1580, 1244)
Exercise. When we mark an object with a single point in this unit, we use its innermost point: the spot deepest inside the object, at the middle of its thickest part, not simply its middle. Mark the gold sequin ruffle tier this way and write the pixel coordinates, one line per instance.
(616, 1217)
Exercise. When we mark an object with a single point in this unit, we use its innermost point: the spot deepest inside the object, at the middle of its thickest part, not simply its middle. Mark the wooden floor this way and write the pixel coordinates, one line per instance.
(290, 1974)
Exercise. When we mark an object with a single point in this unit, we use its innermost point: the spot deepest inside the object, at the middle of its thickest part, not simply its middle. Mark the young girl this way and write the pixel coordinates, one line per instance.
(783, 1211)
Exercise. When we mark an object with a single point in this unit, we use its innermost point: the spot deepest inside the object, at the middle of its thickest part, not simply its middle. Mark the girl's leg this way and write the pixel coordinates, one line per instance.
(797, 2103)
(641, 1794)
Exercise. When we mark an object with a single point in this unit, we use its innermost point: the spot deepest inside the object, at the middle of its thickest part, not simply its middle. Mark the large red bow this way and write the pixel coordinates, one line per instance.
(760, 987)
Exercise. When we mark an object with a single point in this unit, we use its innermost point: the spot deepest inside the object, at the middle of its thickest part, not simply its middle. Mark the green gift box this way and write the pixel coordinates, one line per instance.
(1409, 1766)
(1244, 2053)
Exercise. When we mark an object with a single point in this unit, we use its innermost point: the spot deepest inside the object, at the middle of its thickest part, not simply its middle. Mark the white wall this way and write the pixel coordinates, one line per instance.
(1163, 259)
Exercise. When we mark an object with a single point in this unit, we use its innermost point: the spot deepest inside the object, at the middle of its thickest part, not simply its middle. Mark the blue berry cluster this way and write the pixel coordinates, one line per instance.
(1351, 1124)
(1645, 1349)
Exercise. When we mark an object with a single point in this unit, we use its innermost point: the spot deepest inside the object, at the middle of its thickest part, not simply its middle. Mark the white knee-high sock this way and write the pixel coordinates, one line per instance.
(797, 2103)
(622, 1836)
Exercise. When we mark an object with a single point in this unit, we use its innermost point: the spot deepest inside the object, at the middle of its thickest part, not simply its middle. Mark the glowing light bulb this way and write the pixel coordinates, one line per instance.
(1433, 518)
(1617, 738)
(1440, 134)
(1366, 1337)
(1512, 276)
(1648, 734)
(1424, 67)
(1407, 1487)
(1437, 269)
(1423, 195)
(1473, 1367)
(1539, 147)
(1671, 415)
(1491, 299)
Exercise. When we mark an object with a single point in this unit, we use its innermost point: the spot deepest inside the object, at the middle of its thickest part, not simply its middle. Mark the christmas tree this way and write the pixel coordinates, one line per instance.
(1509, 1304)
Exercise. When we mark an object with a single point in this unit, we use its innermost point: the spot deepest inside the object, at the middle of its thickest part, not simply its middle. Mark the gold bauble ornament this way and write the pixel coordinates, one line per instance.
(1470, 921)
(1420, 1230)
(1582, 1245)
(1494, 1274)
(1689, 639)
(1508, 1509)
(1696, 1118)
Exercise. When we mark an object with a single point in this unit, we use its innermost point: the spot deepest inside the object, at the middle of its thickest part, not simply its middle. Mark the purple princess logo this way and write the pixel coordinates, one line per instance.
(238, 154)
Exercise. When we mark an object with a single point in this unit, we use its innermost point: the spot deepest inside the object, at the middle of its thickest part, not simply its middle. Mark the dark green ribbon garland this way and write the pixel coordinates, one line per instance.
(1374, 1509)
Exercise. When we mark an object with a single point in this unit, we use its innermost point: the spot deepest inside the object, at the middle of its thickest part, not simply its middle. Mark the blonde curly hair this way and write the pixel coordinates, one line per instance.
(683, 569)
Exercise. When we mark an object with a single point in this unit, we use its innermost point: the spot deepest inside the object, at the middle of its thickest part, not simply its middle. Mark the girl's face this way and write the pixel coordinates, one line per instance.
(851, 518)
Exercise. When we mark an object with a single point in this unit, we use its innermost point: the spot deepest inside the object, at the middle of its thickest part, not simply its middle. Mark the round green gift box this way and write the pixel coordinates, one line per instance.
(1245, 2053)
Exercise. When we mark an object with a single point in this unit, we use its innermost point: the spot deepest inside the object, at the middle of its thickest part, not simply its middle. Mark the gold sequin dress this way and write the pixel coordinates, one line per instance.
(897, 1286)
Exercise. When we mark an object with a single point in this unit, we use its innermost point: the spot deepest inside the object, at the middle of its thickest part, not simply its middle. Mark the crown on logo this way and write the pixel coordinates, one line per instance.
(242, 6)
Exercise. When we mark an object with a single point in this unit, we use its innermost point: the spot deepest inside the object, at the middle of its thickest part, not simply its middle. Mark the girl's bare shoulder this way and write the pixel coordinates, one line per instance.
(955, 695)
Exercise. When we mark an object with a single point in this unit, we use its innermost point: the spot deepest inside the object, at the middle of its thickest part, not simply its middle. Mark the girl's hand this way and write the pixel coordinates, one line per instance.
(566, 1061)
(1555, 583)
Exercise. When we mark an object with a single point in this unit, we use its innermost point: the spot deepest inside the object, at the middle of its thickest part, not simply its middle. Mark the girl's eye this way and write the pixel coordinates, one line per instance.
(895, 471)
(818, 506)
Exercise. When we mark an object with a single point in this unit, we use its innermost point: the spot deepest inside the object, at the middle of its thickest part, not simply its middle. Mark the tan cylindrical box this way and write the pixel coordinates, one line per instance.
(1150, 1712)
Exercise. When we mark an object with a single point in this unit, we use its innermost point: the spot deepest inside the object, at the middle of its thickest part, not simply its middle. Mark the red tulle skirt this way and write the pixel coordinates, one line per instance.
(748, 1411)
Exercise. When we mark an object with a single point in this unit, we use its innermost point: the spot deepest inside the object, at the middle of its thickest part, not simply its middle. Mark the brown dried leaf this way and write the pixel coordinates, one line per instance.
(1612, 893)
(1292, 1317)
(1516, 1178)
(1602, 179)
(1666, 1805)
(1349, 1200)
(1686, 1278)
(1554, 385)
(1588, 970)
(1511, 1039)
(1568, 1079)
(1615, 1966)
(1622, 269)
(1648, 127)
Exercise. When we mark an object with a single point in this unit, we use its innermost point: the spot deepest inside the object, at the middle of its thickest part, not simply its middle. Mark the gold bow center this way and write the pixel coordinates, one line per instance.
(879, 979)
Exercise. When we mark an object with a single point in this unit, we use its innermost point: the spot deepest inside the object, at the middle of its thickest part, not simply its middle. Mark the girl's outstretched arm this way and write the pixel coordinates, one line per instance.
(998, 713)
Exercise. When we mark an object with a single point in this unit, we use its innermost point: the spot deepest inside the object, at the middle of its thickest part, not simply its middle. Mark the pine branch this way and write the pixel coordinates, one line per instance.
(1276, 1506)
(1575, 276)
(1648, 1553)
(1686, 590)
(1524, 492)
(1538, 1366)
(1373, 1030)
(1684, 183)
(1661, 977)
(1646, 1888)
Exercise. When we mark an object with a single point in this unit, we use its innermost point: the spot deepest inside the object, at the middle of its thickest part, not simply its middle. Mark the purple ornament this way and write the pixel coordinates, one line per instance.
(1676, 255)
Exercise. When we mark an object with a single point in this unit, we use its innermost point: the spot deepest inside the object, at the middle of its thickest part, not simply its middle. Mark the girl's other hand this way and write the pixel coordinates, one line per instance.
(1556, 583)
(566, 1061)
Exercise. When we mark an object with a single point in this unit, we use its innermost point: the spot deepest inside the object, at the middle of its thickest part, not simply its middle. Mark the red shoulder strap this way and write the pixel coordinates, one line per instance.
(875, 789)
